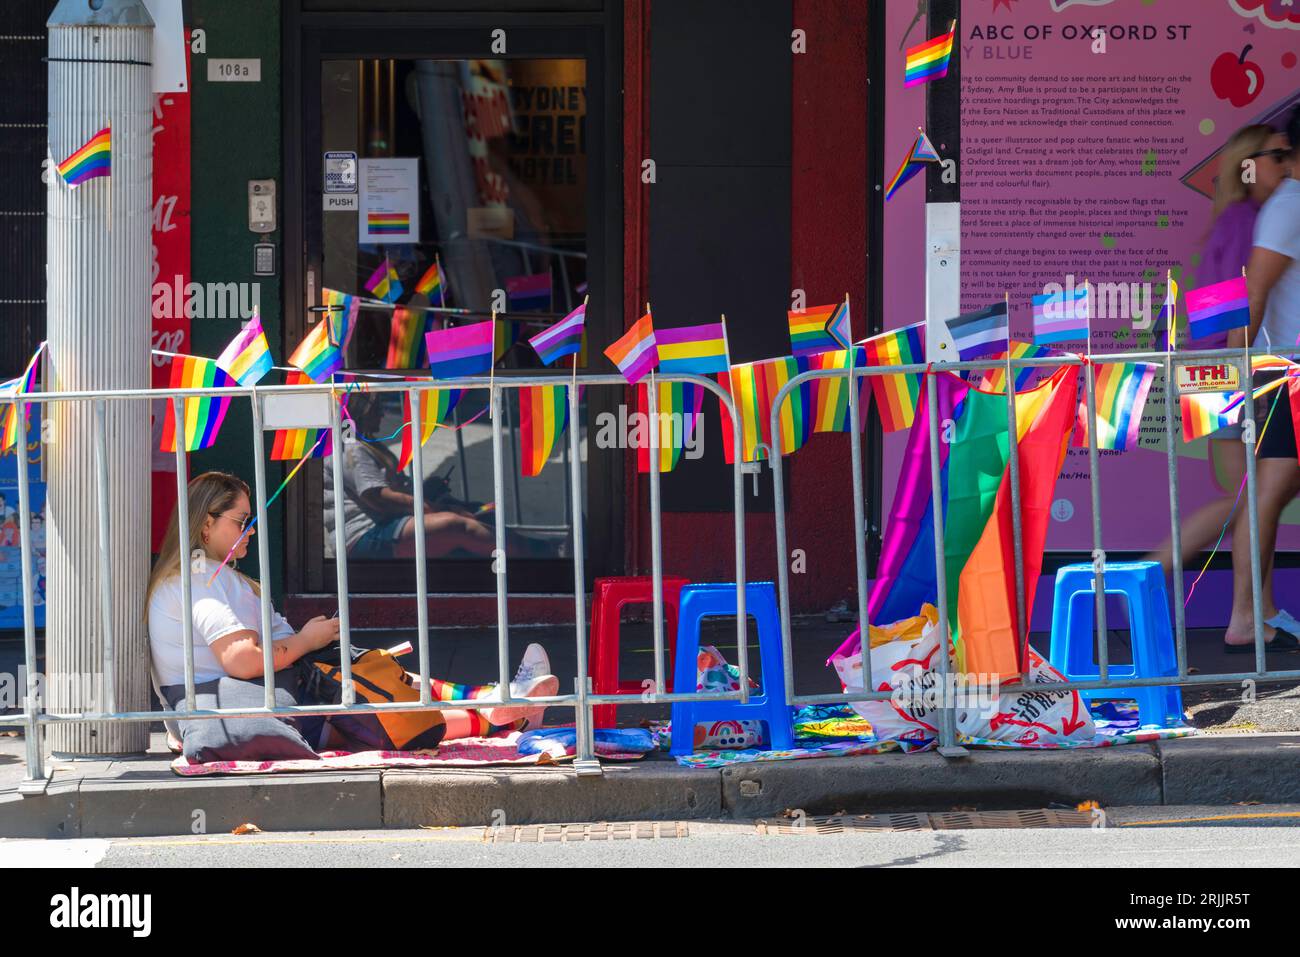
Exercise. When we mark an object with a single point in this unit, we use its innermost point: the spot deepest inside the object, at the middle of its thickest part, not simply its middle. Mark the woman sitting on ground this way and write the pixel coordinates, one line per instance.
(227, 616)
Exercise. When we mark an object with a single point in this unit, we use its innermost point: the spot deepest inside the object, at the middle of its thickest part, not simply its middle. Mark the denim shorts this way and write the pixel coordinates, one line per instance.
(380, 541)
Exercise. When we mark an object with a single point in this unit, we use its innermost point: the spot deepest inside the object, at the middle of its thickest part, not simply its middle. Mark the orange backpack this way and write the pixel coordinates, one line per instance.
(378, 677)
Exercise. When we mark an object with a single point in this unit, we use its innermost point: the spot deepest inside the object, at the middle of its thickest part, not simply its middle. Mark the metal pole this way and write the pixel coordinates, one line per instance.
(184, 546)
(499, 553)
(1252, 508)
(1017, 540)
(105, 570)
(421, 567)
(947, 718)
(1175, 521)
(341, 551)
(782, 546)
(656, 534)
(35, 756)
(1098, 556)
(263, 550)
(859, 517)
(586, 740)
(98, 294)
(460, 454)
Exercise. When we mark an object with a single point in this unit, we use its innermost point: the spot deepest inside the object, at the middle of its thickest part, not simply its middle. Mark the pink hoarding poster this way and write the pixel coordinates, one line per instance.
(1091, 134)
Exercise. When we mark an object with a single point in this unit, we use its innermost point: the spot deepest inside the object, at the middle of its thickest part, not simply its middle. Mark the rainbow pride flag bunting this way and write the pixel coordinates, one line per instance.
(1207, 412)
(679, 405)
(461, 350)
(204, 414)
(435, 406)
(432, 282)
(1218, 308)
(25, 384)
(896, 394)
(636, 351)
(543, 414)
(289, 445)
(692, 350)
(922, 152)
(562, 339)
(929, 60)
(248, 357)
(753, 387)
(93, 160)
(1122, 389)
(406, 338)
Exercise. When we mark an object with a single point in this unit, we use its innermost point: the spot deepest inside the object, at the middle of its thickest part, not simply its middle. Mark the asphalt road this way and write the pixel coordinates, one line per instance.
(1180, 837)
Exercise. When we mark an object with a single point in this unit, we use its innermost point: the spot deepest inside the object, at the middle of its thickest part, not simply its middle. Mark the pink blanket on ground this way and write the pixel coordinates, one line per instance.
(463, 752)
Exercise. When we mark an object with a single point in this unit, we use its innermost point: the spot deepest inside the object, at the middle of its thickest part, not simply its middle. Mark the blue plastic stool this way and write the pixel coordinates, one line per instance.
(1074, 628)
(699, 601)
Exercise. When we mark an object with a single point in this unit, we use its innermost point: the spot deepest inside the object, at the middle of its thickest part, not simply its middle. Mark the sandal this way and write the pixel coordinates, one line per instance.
(1282, 641)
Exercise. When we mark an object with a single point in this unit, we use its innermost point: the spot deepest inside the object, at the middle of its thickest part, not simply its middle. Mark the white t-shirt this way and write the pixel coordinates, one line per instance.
(226, 606)
(1278, 229)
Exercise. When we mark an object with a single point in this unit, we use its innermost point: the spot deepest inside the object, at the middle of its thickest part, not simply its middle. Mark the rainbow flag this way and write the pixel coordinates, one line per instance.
(388, 224)
(203, 415)
(529, 293)
(435, 406)
(692, 350)
(975, 489)
(1218, 308)
(248, 357)
(922, 152)
(289, 445)
(636, 352)
(342, 311)
(25, 384)
(1207, 412)
(1122, 389)
(679, 405)
(562, 339)
(830, 396)
(461, 351)
(1062, 316)
(995, 380)
(929, 60)
(383, 282)
(508, 333)
(319, 355)
(896, 394)
(809, 329)
(406, 338)
(753, 386)
(543, 414)
(93, 160)
(432, 282)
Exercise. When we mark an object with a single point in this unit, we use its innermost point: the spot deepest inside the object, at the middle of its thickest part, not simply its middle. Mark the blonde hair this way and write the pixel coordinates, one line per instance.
(209, 494)
(1228, 185)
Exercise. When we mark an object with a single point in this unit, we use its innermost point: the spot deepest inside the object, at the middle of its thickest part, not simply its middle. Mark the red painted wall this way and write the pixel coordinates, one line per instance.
(828, 257)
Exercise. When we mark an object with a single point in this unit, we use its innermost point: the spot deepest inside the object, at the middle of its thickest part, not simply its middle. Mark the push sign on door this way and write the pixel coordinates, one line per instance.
(340, 172)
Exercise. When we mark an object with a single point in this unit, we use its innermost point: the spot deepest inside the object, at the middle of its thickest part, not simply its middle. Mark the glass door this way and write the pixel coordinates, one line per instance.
(441, 188)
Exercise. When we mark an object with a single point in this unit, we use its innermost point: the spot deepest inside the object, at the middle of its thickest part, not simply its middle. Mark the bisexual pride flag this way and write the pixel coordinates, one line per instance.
(461, 350)
(1218, 308)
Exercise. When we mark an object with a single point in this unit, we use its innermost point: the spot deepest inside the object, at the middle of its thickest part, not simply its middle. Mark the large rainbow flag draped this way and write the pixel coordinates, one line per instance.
(543, 414)
(679, 405)
(289, 445)
(753, 386)
(406, 338)
(976, 495)
(203, 414)
(896, 394)
(831, 396)
(1122, 389)
(435, 406)
(91, 161)
(25, 384)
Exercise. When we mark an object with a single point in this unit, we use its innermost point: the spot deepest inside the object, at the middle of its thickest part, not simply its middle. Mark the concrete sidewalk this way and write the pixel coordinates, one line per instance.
(141, 796)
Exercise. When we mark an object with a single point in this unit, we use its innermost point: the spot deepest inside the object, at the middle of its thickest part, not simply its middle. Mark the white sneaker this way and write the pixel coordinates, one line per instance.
(535, 663)
(543, 686)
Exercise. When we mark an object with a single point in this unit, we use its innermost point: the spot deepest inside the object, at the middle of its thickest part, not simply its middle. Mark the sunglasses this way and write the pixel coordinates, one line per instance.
(243, 523)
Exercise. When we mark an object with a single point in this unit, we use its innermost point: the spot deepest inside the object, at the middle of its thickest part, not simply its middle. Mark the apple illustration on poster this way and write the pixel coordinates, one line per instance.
(1236, 79)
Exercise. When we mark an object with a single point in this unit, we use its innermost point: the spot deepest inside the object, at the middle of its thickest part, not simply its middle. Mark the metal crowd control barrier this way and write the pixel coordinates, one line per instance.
(948, 744)
(582, 700)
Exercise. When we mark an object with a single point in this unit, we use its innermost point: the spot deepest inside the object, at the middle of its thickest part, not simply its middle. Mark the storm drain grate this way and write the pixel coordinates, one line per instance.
(575, 833)
(941, 821)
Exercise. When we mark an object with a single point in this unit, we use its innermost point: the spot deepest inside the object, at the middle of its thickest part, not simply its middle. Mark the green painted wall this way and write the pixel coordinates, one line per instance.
(235, 137)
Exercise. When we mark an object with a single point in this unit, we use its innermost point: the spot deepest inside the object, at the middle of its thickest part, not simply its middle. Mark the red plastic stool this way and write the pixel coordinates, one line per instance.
(609, 595)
